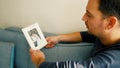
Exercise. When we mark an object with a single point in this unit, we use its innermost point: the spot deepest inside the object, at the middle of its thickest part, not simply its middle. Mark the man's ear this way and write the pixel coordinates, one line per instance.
(111, 21)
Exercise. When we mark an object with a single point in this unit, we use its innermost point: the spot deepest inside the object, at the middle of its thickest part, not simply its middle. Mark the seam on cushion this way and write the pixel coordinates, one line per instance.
(12, 56)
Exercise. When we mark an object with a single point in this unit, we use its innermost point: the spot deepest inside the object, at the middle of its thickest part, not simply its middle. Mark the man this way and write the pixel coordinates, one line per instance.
(102, 18)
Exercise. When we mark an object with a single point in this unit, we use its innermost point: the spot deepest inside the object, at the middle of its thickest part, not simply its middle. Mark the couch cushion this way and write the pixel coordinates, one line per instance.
(6, 55)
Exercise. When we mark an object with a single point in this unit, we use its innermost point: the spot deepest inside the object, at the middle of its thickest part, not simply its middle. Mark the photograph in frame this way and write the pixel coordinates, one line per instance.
(34, 36)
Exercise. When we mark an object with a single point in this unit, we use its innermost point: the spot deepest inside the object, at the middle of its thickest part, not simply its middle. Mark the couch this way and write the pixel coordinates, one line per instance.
(14, 50)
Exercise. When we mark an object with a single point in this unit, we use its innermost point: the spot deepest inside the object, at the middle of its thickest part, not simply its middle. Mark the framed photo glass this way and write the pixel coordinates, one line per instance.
(34, 36)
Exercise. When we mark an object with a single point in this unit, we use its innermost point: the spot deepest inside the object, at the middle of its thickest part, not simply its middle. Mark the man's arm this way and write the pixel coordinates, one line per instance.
(71, 37)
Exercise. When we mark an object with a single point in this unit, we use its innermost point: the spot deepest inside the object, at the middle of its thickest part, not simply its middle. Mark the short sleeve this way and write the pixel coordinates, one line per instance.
(86, 37)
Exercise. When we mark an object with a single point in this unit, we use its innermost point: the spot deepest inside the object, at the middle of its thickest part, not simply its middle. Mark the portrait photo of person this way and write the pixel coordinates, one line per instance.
(35, 37)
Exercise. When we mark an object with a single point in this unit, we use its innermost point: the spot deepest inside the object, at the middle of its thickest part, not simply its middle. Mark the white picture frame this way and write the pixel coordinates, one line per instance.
(34, 36)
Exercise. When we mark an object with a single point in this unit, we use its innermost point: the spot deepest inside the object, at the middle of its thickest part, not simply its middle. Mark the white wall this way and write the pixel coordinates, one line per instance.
(54, 16)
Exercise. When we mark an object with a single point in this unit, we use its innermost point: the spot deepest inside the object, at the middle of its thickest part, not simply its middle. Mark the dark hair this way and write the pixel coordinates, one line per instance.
(110, 8)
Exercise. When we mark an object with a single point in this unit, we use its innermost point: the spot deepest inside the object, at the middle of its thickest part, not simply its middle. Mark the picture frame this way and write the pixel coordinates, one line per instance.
(34, 36)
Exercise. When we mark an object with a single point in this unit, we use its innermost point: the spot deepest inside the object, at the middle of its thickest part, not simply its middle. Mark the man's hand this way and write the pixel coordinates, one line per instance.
(52, 41)
(37, 56)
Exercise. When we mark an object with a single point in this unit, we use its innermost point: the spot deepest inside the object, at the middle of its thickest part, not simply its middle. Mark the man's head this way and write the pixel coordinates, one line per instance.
(102, 16)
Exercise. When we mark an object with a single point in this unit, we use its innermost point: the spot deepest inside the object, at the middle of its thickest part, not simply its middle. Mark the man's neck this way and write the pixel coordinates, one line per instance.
(110, 39)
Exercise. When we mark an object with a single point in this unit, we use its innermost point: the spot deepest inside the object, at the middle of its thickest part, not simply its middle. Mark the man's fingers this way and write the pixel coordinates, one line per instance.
(49, 45)
(31, 50)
